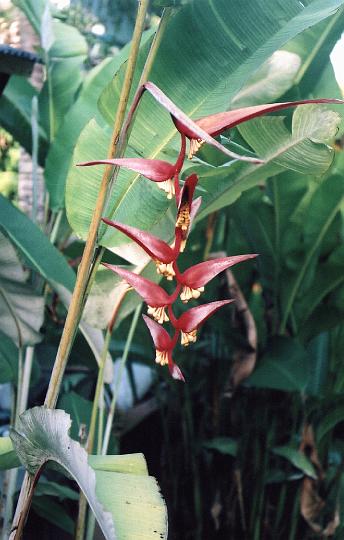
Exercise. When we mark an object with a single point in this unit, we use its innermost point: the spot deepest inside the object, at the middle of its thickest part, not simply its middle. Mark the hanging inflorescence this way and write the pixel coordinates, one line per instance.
(190, 283)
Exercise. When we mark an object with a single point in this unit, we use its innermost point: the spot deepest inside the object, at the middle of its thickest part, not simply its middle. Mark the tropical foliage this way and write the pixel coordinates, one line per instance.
(251, 445)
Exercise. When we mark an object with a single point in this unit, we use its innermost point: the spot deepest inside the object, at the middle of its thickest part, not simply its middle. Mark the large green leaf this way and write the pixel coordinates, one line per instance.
(65, 51)
(34, 245)
(314, 47)
(202, 80)
(134, 507)
(85, 107)
(270, 82)
(284, 366)
(21, 307)
(15, 114)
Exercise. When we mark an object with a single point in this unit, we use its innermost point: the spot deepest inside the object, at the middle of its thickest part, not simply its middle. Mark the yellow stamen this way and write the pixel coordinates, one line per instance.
(182, 245)
(158, 313)
(161, 358)
(188, 293)
(165, 270)
(188, 337)
(195, 145)
(168, 187)
(183, 219)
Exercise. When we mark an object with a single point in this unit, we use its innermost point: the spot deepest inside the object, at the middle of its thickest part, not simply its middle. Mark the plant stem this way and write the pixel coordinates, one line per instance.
(74, 312)
(124, 358)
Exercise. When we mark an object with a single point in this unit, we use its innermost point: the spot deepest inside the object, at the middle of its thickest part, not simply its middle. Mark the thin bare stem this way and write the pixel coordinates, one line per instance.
(124, 358)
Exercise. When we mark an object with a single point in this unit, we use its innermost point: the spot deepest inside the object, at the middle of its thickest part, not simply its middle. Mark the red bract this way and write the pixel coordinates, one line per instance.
(217, 123)
(164, 345)
(156, 170)
(160, 252)
(156, 298)
(191, 320)
(190, 128)
(195, 277)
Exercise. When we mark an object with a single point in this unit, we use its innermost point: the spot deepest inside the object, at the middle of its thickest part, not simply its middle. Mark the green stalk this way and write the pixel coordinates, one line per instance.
(74, 312)
(80, 528)
(124, 358)
(83, 502)
(34, 131)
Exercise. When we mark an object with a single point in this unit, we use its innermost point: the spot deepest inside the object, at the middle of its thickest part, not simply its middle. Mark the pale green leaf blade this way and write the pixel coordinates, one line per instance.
(8, 457)
(41, 436)
(135, 503)
(270, 82)
(127, 463)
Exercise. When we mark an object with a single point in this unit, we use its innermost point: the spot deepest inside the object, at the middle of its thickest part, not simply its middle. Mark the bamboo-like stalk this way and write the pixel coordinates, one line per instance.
(74, 312)
(80, 527)
(124, 358)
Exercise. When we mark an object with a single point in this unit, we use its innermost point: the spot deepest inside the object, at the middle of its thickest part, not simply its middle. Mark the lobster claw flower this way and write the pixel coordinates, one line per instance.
(156, 297)
(156, 170)
(188, 127)
(196, 277)
(217, 123)
(164, 345)
(189, 322)
(162, 254)
(185, 207)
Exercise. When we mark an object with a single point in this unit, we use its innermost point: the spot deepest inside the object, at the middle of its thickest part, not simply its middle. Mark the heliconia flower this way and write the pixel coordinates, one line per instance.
(162, 254)
(189, 322)
(156, 297)
(217, 123)
(164, 345)
(195, 277)
(184, 207)
(188, 127)
(156, 170)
